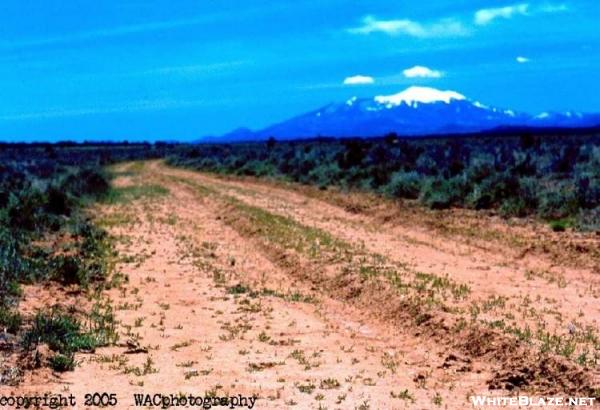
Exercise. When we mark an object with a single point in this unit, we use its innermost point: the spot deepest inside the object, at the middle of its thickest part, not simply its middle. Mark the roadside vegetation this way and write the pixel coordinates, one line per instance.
(46, 236)
(553, 177)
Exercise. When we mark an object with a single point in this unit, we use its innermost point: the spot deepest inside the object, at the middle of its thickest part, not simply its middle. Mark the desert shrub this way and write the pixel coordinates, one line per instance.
(559, 225)
(588, 190)
(93, 250)
(480, 198)
(522, 163)
(511, 195)
(62, 333)
(4, 197)
(208, 163)
(24, 210)
(557, 201)
(441, 193)
(501, 186)
(589, 220)
(86, 182)
(10, 319)
(58, 202)
(480, 168)
(87, 257)
(62, 362)
(353, 154)
(67, 269)
(404, 185)
(528, 193)
(324, 174)
(426, 165)
(257, 168)
(249, 168)
(13, 266)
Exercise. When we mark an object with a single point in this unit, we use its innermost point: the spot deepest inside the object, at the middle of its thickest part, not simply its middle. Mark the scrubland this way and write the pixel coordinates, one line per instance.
(310, 289)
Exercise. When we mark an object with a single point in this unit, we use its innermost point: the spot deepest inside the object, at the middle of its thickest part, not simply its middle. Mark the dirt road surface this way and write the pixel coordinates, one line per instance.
(242, 287)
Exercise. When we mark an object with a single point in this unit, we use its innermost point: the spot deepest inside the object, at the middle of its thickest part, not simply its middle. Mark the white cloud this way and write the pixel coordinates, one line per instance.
(421, 71)
(486, 16)
(125, 106)
(521, 59)
(553, 8)
(193, 69)
(358, 79)
(441, 28)
(112, 32)
(139, 28)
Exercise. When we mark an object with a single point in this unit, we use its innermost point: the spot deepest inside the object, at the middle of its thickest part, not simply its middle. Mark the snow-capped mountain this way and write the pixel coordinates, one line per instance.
(414, 111)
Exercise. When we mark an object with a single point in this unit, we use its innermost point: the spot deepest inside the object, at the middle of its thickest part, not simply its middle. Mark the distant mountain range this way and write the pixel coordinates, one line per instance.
(412, 112)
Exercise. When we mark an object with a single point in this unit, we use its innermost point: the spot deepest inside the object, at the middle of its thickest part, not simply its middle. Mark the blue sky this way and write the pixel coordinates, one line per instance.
(143, 69)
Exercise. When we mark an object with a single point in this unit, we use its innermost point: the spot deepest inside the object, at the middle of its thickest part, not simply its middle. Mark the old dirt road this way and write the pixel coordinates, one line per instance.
(243, 287)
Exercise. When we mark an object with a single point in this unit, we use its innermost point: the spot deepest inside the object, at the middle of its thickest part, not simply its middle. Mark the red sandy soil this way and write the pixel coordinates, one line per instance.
(326, 337)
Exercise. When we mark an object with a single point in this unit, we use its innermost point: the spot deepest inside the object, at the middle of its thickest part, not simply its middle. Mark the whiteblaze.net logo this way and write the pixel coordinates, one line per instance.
(529, 401)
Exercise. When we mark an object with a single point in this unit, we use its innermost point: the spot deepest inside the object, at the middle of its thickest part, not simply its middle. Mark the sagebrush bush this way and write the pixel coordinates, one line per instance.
(513, 207)
(68, 269)
(24, 210)
(588, 189)
(480, 167)
(589, 220)
(324, 175)
(404, 185)
(62, 333)
(439, 193)
(86, 182)
(58, 202)
(13, 266)
(426, 165)
(10, 320)
(559, 225)
(480, 198)
(557, 201)
(62, 362)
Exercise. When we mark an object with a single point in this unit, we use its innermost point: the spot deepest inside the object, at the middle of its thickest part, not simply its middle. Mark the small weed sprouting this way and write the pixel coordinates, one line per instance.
(329, 383)
(189, 363)
(178, 346)
(307, 388)
(403, 395)
(238, 289)
(147, 368)
(102, 324)
(192, 373)
(263, 337)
